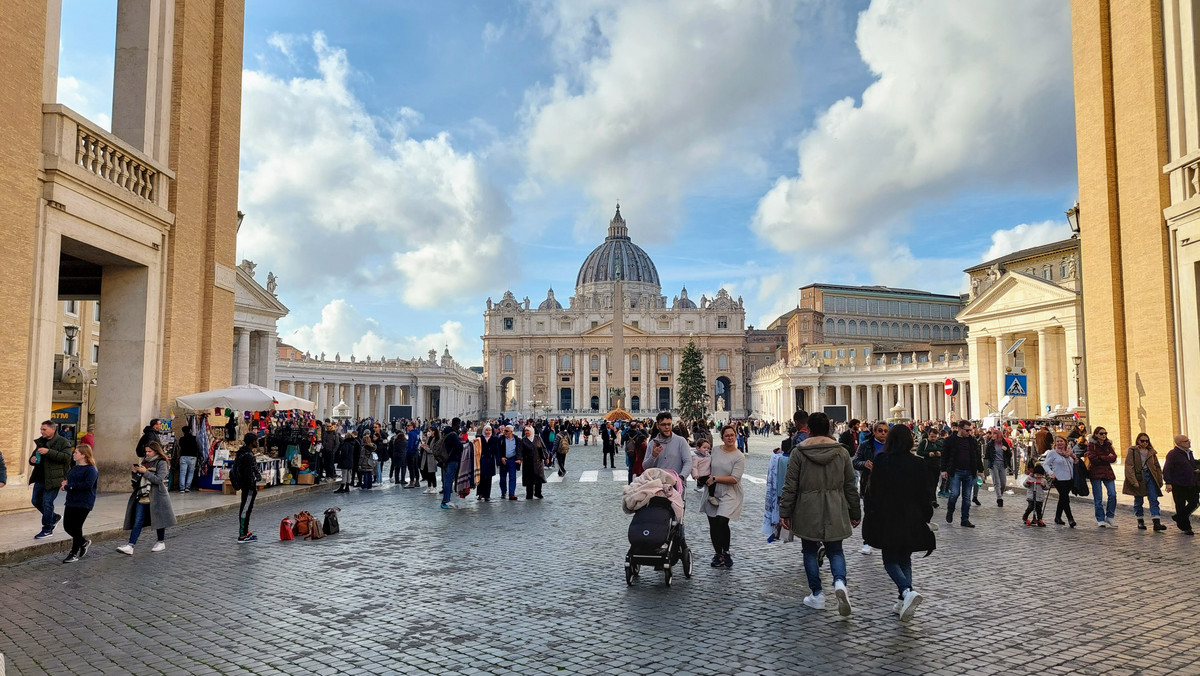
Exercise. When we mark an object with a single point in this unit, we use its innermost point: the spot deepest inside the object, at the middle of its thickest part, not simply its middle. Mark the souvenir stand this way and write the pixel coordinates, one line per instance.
(219, 419)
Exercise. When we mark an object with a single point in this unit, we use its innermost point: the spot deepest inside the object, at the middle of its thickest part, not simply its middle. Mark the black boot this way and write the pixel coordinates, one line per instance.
(1158, 525)
(1142, 524)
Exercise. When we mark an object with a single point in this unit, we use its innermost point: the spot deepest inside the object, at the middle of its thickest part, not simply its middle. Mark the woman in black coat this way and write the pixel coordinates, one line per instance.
(899, 505)
(533, 472)
(347, 455)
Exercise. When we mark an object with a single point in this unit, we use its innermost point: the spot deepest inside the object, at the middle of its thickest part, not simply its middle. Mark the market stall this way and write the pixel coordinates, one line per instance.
(219, 418)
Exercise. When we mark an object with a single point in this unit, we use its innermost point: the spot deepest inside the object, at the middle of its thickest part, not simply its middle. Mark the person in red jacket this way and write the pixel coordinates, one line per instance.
(1100, 456)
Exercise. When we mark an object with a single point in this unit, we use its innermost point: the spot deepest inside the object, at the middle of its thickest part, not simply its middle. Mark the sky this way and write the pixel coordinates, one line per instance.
(403, 161)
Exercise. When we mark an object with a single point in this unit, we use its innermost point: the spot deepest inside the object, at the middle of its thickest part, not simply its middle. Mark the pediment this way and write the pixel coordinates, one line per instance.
(605, 329)
(1016, 292)
(250, 295)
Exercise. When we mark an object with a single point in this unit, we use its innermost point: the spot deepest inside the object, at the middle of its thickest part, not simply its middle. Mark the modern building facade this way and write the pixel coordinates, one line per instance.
(142, 218)
(559, 360)
(1025, 320)
(1138, 135)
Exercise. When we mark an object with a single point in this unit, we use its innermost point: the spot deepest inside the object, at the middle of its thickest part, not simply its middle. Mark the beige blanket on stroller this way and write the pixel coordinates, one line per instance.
(653, 482)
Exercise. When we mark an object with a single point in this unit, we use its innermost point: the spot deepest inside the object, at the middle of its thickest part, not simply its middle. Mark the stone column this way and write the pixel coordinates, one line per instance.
(526, 394)
(1045, 375)
(242, 375)
(646, 377)
(604, 381)
(322, 411)
(1002, 343)
(1072, 348)
(872, 403)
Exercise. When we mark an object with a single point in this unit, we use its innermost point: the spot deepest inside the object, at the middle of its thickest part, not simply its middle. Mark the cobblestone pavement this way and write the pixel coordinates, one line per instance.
(538, 587)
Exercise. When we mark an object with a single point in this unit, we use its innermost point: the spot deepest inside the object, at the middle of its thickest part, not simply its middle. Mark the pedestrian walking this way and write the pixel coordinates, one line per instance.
(1143, 480)
(150, 503)
(453, 454)
(80, 486)
(897, 508)
(347, 453)
(998, 454)
(961, 463)
(1100, 456)
(245, 477)
(1180, 479)
(868, 450)
(490, 452)
(1060, 468)
(533, 472)
(724, 504)
(820, 505)
(51, 460)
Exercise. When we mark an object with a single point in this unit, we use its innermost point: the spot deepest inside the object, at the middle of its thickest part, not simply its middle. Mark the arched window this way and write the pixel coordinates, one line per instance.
(722, 361)
(905, 331)
(595, 362)
(829, 325)
(541, 363)
(635, 403)
(508, 362)
(937, 333)
(635, 362)
(874, 327)
(852, 327)
(841, 326)
(895, 332)
(926, 332)
(957, 335)
(565, 364)
(595, 403)
(664, 361)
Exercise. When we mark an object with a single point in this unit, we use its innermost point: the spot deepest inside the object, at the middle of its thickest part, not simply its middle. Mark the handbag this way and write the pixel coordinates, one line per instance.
(332, 527)
(285, 529)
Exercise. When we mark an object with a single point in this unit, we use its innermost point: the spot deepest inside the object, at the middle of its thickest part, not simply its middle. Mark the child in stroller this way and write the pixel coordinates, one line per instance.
(656, 531)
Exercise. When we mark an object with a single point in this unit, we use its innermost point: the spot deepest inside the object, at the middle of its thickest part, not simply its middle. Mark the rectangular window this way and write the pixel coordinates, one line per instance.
(664, 324)
(566, 379)
(634, 379)
(828, 354)
(595, 379)
(690, 325)
(852, 353)
(635, 362)
(71, 307)
(839, 304)
(95, 353)
(508, 323)
(722, 322)
(541, 326)
(866, 352)
(904, 308)
(827, 304)
(634, 323)
(565, 325)
(96, 310)
(841, 353)
(595, 323)
(664, 378)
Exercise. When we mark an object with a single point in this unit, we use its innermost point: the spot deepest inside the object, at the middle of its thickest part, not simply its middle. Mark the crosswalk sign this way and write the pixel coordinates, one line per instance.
(1015, 385)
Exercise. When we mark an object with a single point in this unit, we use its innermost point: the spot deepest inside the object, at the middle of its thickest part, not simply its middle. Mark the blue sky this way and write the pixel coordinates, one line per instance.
(403, 161)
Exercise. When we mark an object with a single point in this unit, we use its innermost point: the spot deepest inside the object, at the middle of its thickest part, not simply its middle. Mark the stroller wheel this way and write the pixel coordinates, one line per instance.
(667, 576)
(637, 568)
(687, 563)
(628, 575)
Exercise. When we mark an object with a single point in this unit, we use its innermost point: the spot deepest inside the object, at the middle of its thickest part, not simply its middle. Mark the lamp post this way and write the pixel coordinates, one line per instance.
(1077, 230)
(1078, 360)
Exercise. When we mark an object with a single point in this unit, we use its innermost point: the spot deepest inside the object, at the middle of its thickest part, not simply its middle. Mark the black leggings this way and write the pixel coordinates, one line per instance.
(73, 518)
(1064, 499)
(718, 529)
(247, 506)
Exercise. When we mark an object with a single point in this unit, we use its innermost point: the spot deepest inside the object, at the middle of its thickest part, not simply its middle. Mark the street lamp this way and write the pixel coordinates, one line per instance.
(1073, 218)
(1078, 360)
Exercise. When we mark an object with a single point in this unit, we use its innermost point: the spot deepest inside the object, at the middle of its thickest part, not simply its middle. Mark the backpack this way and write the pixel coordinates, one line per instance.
(315, 532)
(331, 521)
(440, 453)
(563, 445)
(304, 523)
(234, 476)
(285, 529)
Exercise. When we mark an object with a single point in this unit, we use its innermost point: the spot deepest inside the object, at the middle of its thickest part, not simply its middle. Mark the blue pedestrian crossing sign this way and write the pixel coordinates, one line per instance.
(1015, 385)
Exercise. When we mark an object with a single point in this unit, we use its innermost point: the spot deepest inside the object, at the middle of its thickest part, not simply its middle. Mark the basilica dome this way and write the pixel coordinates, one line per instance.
(617, 253)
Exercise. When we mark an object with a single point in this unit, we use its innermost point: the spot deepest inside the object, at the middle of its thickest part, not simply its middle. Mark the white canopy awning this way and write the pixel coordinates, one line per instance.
(245, 398)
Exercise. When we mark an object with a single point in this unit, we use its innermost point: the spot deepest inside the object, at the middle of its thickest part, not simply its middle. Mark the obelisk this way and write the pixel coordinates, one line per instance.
(618, 331)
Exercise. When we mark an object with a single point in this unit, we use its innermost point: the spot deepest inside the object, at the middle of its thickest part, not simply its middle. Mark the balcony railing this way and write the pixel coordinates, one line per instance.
(76, 145)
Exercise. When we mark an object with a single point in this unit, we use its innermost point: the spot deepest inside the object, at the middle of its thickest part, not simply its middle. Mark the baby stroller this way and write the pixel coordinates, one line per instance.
(656, 539)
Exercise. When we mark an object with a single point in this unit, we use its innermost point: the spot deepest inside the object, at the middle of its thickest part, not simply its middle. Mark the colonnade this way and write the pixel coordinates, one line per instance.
(920, 400)
(364, 400)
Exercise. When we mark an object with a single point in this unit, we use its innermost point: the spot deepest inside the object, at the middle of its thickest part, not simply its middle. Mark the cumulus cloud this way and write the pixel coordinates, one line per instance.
(651, 97)
(344, 330)
(1024, 236)
(968, 95)
(337, 199)
(80, 97)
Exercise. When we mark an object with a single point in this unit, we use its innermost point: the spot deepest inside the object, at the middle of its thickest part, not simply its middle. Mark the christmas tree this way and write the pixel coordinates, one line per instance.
(692, 391)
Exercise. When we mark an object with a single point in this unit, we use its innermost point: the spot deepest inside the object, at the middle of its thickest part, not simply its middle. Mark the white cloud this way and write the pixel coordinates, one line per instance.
(492, 34)
(969, 95)
(78, 96)
(343, 330)
(1024, 236)
(338, 200)
(651, 97)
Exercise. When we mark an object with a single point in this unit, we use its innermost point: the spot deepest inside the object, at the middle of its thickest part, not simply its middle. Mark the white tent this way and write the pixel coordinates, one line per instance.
(245, 398)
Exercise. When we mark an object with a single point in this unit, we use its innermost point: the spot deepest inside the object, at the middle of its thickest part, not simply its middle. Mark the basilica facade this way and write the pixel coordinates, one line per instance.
(554, 360)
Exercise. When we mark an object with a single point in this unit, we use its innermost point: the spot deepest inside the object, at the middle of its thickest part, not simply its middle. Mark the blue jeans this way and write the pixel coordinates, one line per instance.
(187, 470)
(962, 482)
(448, 481)
(43, 500)
(141, 516)
(509, 470)
(837, 562)
(899, 567)
(1109, 510)
(1151, 492)
(576, 437)
(379, 472)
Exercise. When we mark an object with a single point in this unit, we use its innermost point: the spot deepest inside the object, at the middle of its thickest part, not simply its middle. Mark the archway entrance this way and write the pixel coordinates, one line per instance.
(664, 399)
(722, 391)
(564, 399)
(508, 395)
(635, 403)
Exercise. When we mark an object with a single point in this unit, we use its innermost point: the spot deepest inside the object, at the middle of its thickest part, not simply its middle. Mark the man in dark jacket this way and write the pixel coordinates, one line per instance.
(51, 461)
(1179, 478)
(329, 448)
(189, 455)
(864, 461)
(348, 451)
(962, 460)
(149, 433)
(454, 450)
(246, 477)
(849, 438)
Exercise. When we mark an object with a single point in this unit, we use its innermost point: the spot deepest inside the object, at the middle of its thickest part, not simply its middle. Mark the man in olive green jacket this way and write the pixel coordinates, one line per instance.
(51, 460)
(820, 499)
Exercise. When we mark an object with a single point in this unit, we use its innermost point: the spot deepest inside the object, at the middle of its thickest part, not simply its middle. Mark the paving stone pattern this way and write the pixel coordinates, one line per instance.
(538, 588)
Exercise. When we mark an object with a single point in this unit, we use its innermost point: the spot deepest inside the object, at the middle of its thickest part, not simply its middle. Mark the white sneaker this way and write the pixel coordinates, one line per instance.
(897, 606)
(909, 606)
(126, 550)
(1111, 523)
(843, 598)
(815, 601)
(866, 549)
(1009, 492)
(1102, 524)
(158, 546)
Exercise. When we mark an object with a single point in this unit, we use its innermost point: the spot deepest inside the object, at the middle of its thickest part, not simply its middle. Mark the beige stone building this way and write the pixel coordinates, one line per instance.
(1024, 320)
(1138, 128)
(561, 361)
(142, 219)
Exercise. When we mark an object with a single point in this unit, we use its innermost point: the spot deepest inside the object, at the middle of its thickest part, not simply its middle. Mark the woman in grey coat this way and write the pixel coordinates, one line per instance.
(149, 504)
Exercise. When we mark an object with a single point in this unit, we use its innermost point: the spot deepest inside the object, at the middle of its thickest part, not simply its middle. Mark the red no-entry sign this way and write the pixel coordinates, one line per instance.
(951, 387)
